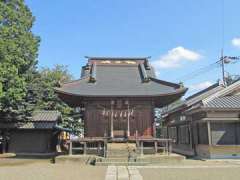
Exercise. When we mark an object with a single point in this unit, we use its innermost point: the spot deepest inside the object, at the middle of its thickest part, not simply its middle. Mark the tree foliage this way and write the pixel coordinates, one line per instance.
(18, 53)
(43, 96)
(23, 88)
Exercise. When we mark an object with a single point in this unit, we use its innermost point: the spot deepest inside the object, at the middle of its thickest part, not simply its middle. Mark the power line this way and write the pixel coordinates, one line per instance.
(199, 71)
(220, 63)
(223, 27)
(223, 59)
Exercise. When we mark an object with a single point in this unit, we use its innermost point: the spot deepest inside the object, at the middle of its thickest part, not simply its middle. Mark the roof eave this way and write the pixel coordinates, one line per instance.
(178, 91)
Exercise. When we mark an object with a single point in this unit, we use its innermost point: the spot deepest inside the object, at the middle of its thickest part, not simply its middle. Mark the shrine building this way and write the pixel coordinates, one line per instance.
(117, 96)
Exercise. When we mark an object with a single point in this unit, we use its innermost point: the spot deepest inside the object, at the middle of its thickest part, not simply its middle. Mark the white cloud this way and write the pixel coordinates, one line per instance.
(175, 57)
(236, 42)
(200, 86)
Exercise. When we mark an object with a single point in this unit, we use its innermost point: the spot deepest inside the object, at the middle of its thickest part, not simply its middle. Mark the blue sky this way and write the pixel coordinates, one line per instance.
(180, 36)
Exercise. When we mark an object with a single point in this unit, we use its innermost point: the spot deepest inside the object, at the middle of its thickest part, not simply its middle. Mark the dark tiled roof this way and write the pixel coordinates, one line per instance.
(39, 120)
(46, 116)
(224, 102)
(27, 125)
(119, 81)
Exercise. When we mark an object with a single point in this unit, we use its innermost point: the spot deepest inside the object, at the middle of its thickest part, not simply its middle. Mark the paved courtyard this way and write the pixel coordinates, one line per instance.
(14, 169)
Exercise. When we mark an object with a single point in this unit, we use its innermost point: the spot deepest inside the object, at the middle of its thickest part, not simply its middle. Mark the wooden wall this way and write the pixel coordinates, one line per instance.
(97, 117)
(30, 141)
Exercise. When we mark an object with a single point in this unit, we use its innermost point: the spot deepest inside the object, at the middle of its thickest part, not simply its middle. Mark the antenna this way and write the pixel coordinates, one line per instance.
(223, 68)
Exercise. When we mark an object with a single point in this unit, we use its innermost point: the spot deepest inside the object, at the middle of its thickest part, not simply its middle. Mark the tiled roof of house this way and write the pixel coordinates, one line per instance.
(46, 116)
(225, 102)
(39, 120)
(195, 98)
(27, 125)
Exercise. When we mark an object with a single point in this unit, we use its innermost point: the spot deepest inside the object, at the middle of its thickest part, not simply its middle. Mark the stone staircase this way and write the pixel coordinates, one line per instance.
(120, 154)
(125, 154)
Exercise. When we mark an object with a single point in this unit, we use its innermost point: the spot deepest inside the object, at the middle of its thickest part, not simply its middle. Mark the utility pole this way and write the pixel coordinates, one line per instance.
(226, 60)
(223, 68)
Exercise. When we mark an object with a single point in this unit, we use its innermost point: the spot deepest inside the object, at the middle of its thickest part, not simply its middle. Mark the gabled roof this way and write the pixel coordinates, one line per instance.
(199, 96)
(225, 91)
(130, 77)
(194, 99)
(216, 96)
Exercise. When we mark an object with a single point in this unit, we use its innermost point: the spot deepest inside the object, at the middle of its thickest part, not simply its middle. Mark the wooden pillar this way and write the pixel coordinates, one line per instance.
(170, 147)
(84, 148)
(156, 146)
(112, 103)
(167, 146)
(70, 148)
(99, 147)
(105, 148)
(209, 133)
(4, 143)
(137, 144)
(128, 123)
(4, 146)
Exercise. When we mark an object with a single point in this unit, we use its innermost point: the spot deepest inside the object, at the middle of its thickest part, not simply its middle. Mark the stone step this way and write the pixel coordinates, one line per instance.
(112, 159)
(121, 163)
(118, 150)
(116, 159)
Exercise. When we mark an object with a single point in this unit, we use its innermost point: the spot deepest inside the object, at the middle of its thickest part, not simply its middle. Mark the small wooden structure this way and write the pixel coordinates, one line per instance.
(34, 136)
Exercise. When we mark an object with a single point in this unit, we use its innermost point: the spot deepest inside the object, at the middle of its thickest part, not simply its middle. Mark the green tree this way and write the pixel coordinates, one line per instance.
(43, 96)
(18, 53)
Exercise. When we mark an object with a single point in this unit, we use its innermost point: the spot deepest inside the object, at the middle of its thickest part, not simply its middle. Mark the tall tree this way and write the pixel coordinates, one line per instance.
(18, 53)
(44, 97)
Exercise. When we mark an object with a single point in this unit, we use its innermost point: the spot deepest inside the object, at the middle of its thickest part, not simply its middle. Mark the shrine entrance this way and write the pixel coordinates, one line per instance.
(120, 117)
(120, 125)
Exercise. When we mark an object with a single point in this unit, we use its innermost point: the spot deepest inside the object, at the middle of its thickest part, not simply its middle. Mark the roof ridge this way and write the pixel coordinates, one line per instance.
(203, 91)
(117, 58)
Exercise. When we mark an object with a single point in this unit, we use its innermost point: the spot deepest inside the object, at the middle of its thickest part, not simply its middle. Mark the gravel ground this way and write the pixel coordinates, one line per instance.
(42, 170)
(191, 174)
(20, 169)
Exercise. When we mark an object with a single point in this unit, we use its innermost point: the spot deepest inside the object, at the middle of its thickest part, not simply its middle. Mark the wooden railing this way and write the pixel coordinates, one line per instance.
(165, 145)
(99, 145)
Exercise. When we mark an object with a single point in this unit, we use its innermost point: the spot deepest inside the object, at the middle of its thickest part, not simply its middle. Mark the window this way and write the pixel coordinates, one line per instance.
(173, 133)
(164, 132)
(184, 135)
(202, 133)
(182, 118)
(224, 133)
